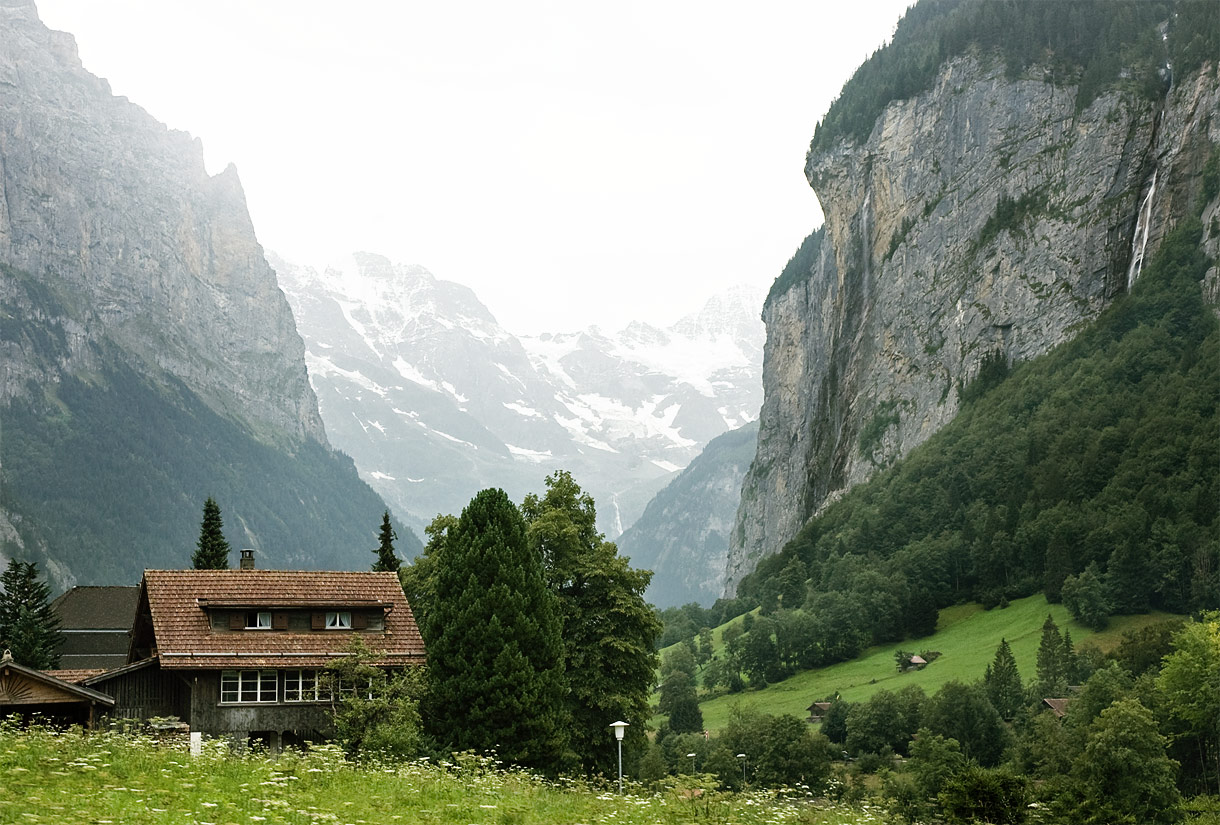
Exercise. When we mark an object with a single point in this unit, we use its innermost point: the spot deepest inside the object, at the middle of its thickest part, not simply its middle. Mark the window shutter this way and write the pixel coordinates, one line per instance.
(318, 621)
(237, 621)
(359, 621)
(279, 621)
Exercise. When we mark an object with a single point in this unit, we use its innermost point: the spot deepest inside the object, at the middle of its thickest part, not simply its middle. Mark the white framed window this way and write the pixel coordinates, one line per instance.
(304, 686)
(248, 686)
(258, 620)
(339, 620)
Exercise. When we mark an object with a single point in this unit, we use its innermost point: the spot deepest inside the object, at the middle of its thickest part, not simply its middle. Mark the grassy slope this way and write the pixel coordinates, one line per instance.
(966, 636)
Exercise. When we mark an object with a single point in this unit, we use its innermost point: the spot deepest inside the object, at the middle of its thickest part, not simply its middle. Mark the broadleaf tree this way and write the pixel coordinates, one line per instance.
(212, 549)
(609, 631)
(29, 628)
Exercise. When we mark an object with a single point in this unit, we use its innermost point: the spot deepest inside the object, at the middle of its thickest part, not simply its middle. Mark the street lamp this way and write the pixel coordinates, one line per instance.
(692, 763)
(619, 729)
(742, 757)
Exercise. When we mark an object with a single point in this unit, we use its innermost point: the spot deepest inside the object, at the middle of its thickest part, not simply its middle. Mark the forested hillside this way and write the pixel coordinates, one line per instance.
(1091, 44)
(1089, 473)
(109, 471)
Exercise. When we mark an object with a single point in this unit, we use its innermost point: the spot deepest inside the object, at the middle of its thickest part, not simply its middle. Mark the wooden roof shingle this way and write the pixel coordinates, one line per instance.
(179, 601)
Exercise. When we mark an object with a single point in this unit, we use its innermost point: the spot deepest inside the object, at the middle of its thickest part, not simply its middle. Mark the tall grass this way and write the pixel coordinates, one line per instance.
(112, 779)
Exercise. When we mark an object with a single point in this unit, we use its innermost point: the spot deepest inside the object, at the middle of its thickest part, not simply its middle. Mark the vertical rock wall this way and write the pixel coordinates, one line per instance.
(117, 217)
(983, 218)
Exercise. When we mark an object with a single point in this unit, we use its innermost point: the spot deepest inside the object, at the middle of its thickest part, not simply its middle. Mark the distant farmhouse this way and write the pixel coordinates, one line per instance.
(240, 653)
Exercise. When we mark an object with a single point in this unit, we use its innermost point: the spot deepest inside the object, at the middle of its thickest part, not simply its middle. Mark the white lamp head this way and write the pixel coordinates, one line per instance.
(619, 729)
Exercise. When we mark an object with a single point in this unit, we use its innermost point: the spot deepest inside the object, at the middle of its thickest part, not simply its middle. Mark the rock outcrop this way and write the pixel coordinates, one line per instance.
(984, 218)
(116, 214)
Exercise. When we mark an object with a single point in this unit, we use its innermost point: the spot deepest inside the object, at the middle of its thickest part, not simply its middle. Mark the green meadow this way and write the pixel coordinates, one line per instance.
(966, 637)
(112, 779)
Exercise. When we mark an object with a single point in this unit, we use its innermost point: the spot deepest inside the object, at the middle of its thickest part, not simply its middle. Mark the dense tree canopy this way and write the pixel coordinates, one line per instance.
(607, 628)
(493, 634)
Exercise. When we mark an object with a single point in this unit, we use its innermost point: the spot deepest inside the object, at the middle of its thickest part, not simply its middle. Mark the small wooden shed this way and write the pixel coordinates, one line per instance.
(26, 691)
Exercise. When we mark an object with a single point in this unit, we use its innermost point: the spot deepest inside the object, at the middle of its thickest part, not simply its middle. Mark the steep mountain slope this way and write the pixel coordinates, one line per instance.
(148, 356)
(434, 400)
(985, 215)
(683, 535)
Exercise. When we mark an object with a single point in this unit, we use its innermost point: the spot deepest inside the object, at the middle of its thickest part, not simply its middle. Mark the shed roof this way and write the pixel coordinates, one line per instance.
(179, 601)
(21, 685)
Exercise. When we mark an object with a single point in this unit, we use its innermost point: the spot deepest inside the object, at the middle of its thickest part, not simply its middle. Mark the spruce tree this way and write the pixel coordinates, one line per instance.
(386, 560)
(212, 551)
(493, 636)
(28, 626)
(1052, 663)
(1003, 682)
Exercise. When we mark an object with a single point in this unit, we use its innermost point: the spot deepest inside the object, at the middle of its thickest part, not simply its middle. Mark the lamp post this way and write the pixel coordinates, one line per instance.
(619, 729)
(692, 763)
(742, 757)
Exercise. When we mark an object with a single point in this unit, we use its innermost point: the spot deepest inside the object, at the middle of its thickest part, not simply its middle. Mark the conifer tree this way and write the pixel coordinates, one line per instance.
(386, 560)
(1003, 682)
(28, 626)
(212, 550)
(1052, 664)
(494, 647)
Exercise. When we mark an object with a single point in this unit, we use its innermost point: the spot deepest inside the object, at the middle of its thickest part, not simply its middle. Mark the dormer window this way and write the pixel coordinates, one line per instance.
(258, 620)
(339, 620)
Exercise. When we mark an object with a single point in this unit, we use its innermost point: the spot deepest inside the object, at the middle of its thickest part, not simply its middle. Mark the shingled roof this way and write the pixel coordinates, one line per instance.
(97, 608)
(178, 602)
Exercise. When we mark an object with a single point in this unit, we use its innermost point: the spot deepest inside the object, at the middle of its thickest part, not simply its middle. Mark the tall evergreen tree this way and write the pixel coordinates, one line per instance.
(386, 560)
(1003, 682)
(1053, 664)
(493, 636)
(28, 626)
(212, 550)
(609, 631)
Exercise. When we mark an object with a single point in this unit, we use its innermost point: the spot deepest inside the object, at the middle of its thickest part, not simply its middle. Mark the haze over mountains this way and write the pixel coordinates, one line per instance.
(434, 400)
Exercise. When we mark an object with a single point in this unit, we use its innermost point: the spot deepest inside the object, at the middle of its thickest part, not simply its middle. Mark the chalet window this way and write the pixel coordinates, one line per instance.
(341, 620)
(304, 686)
(258, 620)
(248, 686)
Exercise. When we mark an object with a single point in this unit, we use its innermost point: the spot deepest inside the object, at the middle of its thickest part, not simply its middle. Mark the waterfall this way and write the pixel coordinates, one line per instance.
(1140, 239)
(865, 247)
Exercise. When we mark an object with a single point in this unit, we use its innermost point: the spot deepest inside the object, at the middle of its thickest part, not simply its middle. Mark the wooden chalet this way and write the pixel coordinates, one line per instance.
(241, 653)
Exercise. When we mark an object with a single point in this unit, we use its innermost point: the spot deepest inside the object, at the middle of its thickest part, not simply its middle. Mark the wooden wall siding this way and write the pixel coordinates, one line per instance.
(213, 718)
(16, 689)
(147, 692)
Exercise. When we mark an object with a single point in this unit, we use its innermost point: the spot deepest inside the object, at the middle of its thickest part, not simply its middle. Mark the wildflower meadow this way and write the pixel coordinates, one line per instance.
(66, 777)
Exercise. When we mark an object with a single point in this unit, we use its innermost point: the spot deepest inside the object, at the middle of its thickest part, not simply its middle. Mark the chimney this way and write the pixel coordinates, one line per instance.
(247, 559)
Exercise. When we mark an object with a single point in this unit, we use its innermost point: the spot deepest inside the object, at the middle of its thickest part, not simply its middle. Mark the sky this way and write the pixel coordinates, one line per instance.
(574, 163)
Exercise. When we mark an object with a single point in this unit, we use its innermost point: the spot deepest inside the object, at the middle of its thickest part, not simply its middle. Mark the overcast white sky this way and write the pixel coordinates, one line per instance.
(572, 162)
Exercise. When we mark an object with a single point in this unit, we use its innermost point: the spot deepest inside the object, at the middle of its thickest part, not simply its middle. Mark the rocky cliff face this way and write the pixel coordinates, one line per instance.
(108, 206)
(985, 218)
(147, 356)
